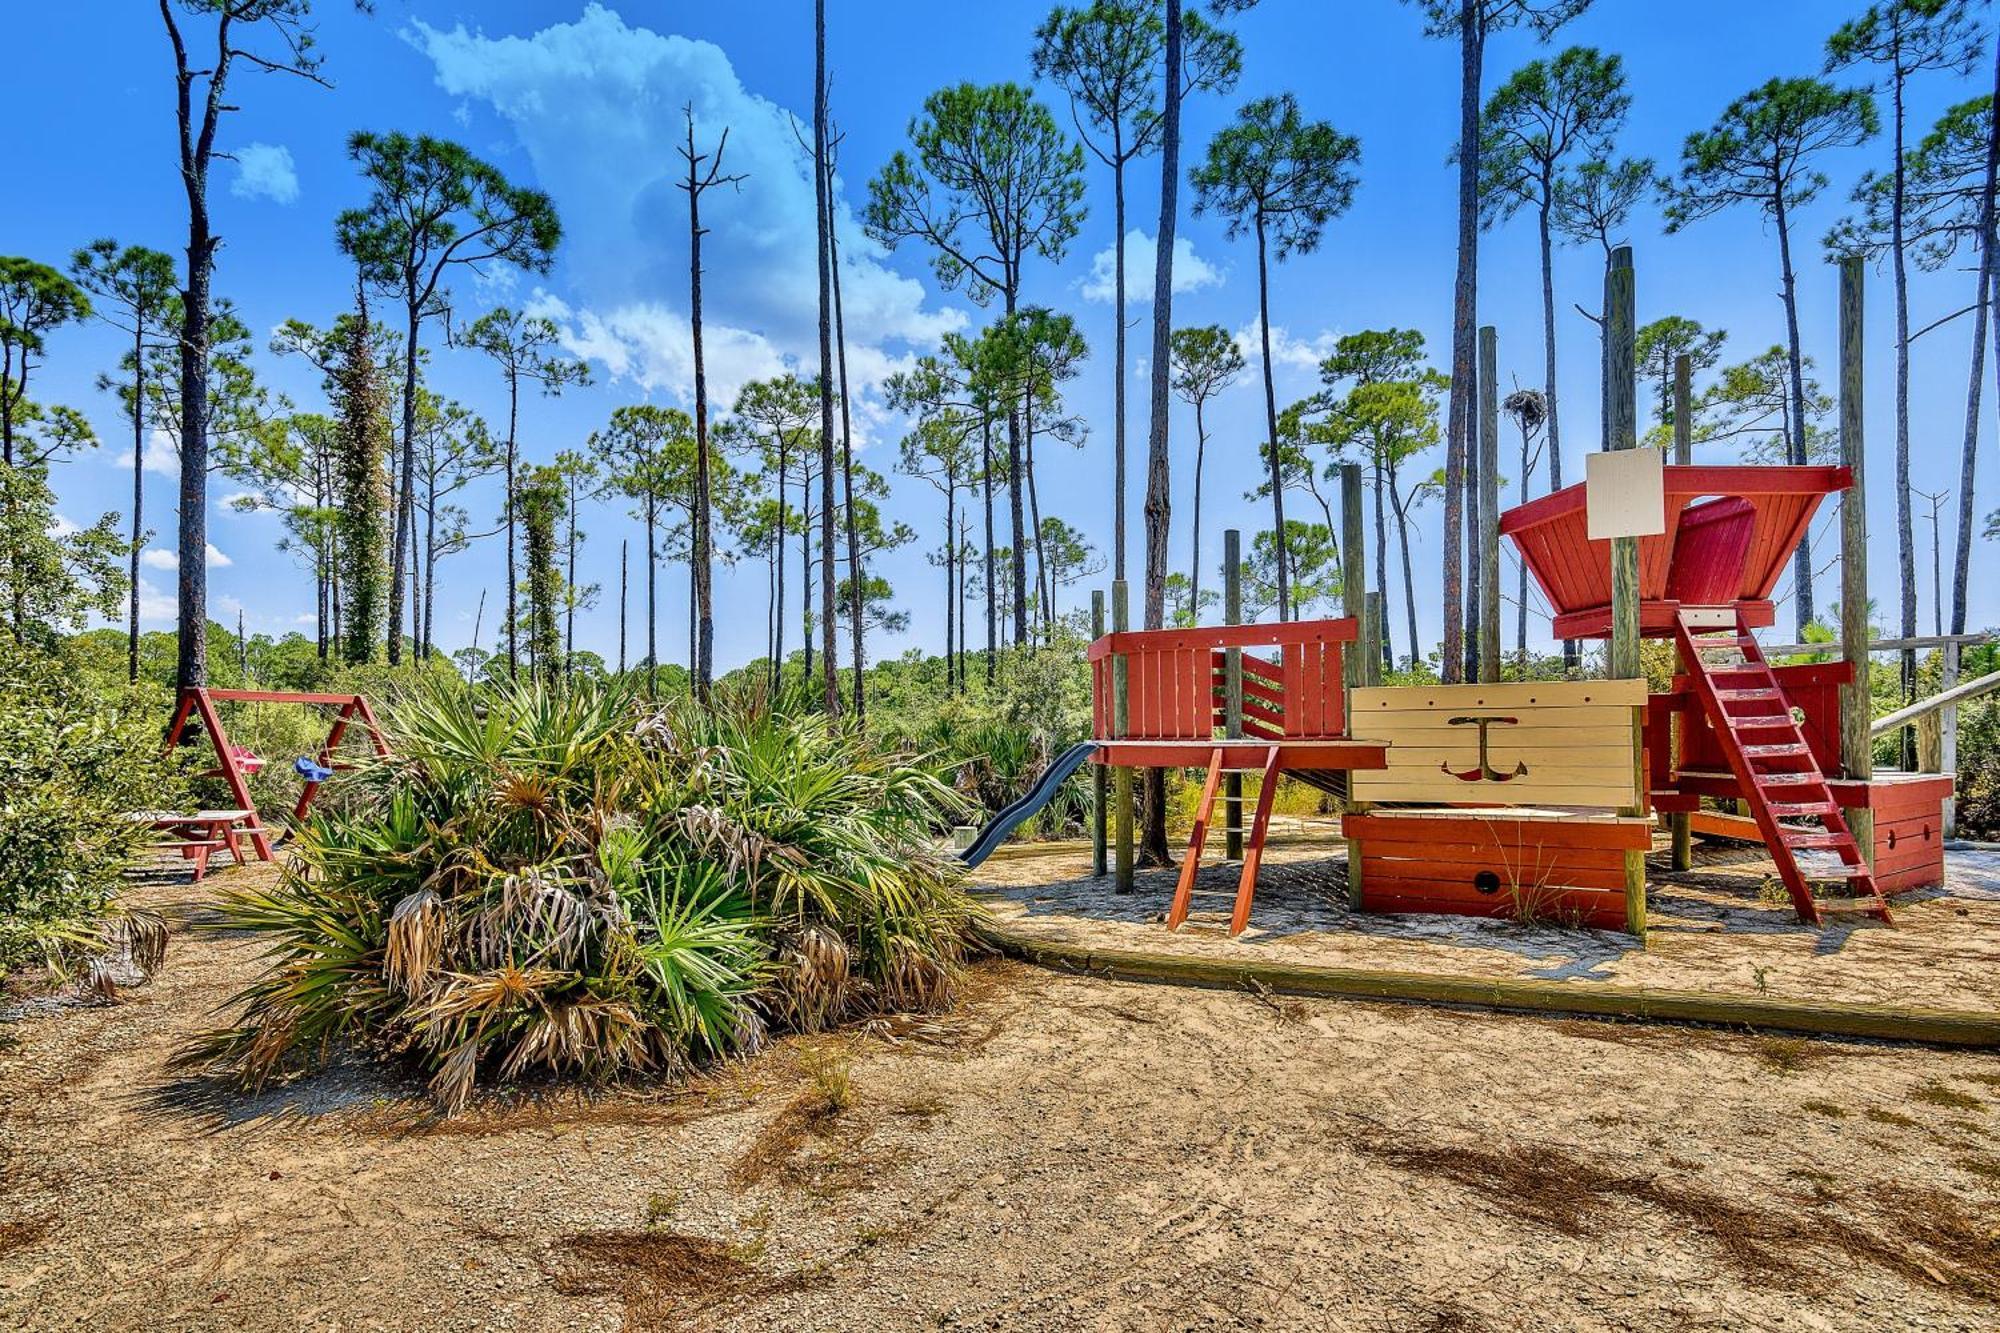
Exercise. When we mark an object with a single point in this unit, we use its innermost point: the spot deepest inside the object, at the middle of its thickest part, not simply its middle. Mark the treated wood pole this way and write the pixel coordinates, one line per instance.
(1232, 691)
(1121, 777)
(1948, 737)
(1680, 823)
(1621, 397)
(1856, 704)
(1621, 401)
(1489, 504)
(1100, 777)
(1354, 568)
(1371, 633)
(1683, 410)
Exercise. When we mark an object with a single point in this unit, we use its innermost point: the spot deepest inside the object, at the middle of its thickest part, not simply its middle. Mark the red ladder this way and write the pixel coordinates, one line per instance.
(1253, 852)
(1774, 767)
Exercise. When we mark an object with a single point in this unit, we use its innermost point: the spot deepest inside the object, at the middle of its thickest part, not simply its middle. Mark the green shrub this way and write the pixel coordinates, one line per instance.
(571, 882)
(73, 763)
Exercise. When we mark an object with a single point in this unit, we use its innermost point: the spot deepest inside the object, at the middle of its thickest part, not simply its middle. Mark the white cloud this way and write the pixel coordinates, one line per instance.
(161, 456)
(596, 106)
(1191, 272)
(265, 171)
(1287, 352)
(62, 525)
(158, 557)
(156, 607)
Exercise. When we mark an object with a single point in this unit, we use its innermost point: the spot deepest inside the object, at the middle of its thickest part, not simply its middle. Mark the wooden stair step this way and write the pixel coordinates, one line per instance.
(1809, 778)
(1790, 810)
(1836, 872)
(1780, 750)
(1804, 838)
(1847, 906)
(1747, 696)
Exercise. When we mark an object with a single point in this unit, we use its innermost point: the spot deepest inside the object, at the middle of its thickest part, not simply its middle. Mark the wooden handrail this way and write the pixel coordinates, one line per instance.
(1919, 644)
(1343, 630)
(1902, 717)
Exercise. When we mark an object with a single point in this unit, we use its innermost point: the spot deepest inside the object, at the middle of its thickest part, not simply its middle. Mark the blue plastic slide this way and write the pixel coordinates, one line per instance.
(1008, 820)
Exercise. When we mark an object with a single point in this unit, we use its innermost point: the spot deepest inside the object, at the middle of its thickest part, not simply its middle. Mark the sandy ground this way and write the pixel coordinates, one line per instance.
(1059, 1153)
(1723, 926)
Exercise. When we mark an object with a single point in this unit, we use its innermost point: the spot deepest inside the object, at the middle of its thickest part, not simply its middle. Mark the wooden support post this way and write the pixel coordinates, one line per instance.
(1621, 398)
(1488, 550)
(1681, 823)
(1354, 565)
(1371, 632)
(1683, 410)
(1232, 696)
(1121, 722)
(1948, 737)
(1100, 776)
(1856, 704)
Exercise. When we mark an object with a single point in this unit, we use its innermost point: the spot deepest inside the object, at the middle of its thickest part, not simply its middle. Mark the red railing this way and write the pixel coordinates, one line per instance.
(1811, 687)
(1175, 681)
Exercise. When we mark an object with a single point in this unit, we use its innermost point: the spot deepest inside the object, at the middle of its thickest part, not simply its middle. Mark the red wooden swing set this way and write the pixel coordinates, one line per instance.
(205, 832)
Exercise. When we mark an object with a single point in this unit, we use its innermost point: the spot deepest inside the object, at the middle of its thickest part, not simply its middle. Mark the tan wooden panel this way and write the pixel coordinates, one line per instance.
(1577, 739)
(1509, 694)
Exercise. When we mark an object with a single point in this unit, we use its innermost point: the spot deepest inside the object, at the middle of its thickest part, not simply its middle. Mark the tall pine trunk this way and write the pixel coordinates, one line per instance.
(652, 597)
(701, 652)
(1382, 567)
(400, 562)
(192, 543)
(830, 691)
(1906, 541)
(512, 463)
(139, 506)
(992, 572)
(950, 586)
(1802, 602)
(778, 610)
(1464, 321)
(857, 591)
(1159, 495)
(1194, 556)
(1278, 544)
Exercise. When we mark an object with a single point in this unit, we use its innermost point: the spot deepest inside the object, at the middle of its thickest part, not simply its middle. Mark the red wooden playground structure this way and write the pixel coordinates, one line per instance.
(1590, 765)
(196, 836)
(1290, 719)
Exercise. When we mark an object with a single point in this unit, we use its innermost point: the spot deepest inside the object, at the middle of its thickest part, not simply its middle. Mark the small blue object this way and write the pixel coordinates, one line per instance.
(311, 770)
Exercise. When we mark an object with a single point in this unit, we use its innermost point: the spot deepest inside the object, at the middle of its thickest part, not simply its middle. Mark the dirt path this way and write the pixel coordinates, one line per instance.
(1060, 1153)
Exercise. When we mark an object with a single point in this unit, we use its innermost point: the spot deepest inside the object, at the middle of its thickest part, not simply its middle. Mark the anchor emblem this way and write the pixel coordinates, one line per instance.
(1485, 771)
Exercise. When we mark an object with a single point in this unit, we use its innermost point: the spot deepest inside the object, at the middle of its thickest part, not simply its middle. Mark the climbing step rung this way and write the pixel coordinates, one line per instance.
(1781, 750)
(1845, 906)
(1799, 810)
(1802, 839)
(1836, 872)
(1806, 779)
(1759, 694)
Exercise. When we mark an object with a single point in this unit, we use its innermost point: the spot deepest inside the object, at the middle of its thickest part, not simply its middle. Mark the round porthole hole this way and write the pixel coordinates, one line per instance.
(1486, 882)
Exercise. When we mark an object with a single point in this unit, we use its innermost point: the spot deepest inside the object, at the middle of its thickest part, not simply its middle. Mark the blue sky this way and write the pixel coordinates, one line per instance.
(584, 101)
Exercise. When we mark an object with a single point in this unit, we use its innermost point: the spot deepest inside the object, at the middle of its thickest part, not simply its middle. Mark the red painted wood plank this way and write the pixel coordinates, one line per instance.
(1634, 834)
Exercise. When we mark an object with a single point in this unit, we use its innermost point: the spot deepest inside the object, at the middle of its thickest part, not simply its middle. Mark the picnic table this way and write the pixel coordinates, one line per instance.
(198, 835)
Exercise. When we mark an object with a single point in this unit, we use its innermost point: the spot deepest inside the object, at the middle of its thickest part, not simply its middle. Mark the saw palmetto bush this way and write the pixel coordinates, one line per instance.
(75, 765)
(569, 882)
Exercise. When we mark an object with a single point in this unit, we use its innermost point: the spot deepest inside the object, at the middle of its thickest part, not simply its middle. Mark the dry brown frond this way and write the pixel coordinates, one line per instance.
(814, 979)
(414, 948)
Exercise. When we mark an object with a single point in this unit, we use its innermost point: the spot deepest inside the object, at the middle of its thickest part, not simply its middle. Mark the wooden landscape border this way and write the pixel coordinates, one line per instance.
(1933, 1027)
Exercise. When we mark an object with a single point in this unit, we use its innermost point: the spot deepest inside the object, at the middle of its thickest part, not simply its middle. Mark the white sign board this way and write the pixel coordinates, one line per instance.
(1625, 493)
